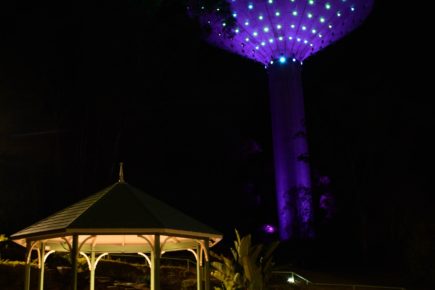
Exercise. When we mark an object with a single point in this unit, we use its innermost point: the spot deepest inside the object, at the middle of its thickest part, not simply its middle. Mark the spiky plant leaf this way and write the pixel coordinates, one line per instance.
(271, 248)
(244, 246)
(235, 254)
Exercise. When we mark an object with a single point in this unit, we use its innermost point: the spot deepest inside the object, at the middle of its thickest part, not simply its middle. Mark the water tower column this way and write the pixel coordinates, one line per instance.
(292, 170)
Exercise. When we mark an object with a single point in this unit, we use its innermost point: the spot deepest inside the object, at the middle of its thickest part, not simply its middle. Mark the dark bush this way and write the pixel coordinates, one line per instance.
(12, 275)
(122, 271)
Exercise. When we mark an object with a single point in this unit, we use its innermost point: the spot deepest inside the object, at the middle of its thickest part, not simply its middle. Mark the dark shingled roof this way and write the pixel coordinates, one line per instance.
(117, 207)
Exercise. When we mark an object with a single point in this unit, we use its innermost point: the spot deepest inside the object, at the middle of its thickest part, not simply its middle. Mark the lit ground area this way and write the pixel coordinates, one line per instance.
(179, 274)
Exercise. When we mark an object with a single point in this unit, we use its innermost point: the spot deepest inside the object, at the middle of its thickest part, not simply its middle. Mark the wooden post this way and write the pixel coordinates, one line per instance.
(41, 265)
(92, 269)
(155, 264)
(27, 269)
(206, 265)
(198, 268)
(74, 252)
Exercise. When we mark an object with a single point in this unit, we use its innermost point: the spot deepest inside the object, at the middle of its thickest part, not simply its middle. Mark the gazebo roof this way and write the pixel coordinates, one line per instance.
(118, 213)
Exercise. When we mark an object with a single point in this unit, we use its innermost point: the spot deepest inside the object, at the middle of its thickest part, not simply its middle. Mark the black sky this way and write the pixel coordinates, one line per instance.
(85, 85)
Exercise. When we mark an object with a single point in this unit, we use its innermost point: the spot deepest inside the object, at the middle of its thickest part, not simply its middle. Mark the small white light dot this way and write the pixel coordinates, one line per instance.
(277, 14)
(304, 27)
(270, 1)
(352, 9)
(290, 37)
(310, 15)
(298, 39)
(236, 30)
(328, 6)
(322, 19)
(250, 6)
(313, 31)
(311, 2)
(330, 26)
(257, 47)
(263, 43)
(224, 24)
(246, 23)
(279, 26)
(247, 39)
(235, 15)
(338, 13)
(260, 17)
(271, 40)
(294, 59)
(282, 59)
(255, 33)
(320, 35)
(292, 26)
(295, 13)
(266, 29)
(305, 41)
(280, 38)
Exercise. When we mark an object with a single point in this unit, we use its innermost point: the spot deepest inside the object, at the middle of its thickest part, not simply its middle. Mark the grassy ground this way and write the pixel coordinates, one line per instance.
(121, 275)
(117, 275)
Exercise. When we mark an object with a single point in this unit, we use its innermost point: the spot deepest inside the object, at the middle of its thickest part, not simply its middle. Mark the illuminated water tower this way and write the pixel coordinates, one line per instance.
(281, 34)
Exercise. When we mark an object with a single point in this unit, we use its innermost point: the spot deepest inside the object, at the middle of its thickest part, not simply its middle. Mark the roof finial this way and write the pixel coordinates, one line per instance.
(121, 172)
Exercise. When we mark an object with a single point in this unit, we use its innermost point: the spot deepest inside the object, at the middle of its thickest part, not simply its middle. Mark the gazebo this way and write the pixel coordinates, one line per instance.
(118, 219)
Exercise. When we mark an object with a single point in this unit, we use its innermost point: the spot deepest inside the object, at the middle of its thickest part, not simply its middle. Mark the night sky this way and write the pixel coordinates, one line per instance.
(86, 85)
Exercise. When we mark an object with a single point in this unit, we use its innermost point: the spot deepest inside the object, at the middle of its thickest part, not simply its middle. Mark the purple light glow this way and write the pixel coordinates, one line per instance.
(281, 34)
(266, 30)
(269, 229)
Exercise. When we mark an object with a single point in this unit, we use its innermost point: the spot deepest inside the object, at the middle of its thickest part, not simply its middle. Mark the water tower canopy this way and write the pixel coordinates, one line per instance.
(265, 30)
